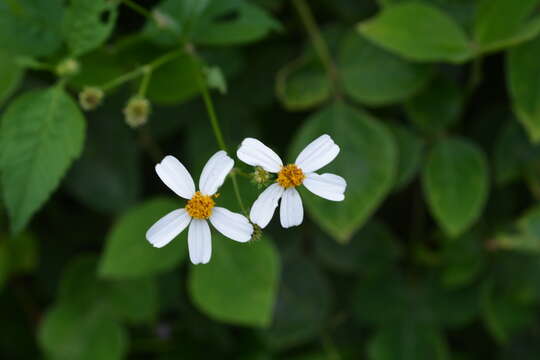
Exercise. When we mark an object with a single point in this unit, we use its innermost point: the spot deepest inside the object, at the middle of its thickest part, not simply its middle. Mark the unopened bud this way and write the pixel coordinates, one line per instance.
(137, 111)
(260, 176)
(67, 67)
(90, 98)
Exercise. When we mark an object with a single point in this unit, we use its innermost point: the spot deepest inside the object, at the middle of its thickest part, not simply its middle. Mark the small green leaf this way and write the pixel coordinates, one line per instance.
(463, 259)
(41, 133)
(525, 236)
(523, 77)
(88, 24)
(303, 303)
(31, 27)
(239, 285)
(367, 161)
(11, 75)
(455, 181)
(504, 23)
(431, 34)
(437, 107)
(373, 76)
(127, 252)
(302, 84)
(410, 148)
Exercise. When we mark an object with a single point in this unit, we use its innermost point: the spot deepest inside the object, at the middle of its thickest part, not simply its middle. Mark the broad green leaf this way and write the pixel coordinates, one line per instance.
(11, 75)
(302, 306)
(523, 77)
(41, 133)
(372, 250)
(455, 181)
(127, 252)
(70, 333)
(410, 150)
(504, 23)
(431, 35)
(97, 68)
(437, 107)
(31, 27)
(109, 165)
(463, 259)
(373, 76)
(302, 84)
(232, 22)
(88, 24)
(174, 82)
(408, 339)
(239, 284)
(367, 161)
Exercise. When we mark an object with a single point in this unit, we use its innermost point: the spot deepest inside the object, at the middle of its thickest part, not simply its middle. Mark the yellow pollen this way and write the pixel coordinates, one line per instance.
(290, 175)
(200, 206)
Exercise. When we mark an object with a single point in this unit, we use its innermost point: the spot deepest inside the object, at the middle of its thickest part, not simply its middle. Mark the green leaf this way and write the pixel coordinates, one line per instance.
(437, 107)
(31, 27)
(523, 77)
(68, 333)
(232, 22)
(410, 150)
(239, 285)
(127, 252)
(97, 68)
(504, 23)
(88, 24)
(174, 82)
(525, 236)
(11, 75)
(41, 133)
(455, 181)
(19, 254)
(373, 76)
(372, 250)
(367, 161)
(109, 165)
(302, 84)
(431, 34)
(463, 259)
(303, 303)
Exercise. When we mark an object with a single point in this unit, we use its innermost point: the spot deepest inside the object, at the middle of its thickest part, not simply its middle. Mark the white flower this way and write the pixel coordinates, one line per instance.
(200, 207)
(317, 154)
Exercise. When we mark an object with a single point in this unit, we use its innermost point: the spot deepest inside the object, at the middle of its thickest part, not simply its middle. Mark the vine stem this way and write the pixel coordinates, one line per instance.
(138, 8)
(210, 109)
(321, 48)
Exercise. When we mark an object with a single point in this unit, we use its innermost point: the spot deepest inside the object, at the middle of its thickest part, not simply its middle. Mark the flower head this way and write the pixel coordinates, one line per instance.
(199, 209)
(316, 155)
(90, 98)
(137, 111)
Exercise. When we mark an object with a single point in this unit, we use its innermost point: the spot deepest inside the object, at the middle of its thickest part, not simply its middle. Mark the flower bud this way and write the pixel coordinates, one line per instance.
(137, 111)
(260, 177)
(90, 98)
(67, 67)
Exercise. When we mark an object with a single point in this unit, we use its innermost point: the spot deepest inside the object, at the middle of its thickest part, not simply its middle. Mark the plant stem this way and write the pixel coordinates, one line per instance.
(215, 122)
(122, 79)
(145, 81)
(321, 48)
(138, 8)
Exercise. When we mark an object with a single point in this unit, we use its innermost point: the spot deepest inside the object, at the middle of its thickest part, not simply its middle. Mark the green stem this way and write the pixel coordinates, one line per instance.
(122, 79)
(215, 123)
(321, 48)
(34, 64)
(145, 81)
(138, 8)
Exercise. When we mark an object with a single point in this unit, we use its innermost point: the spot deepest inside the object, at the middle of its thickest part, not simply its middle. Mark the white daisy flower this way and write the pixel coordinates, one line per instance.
(199, 208)
(316, 155)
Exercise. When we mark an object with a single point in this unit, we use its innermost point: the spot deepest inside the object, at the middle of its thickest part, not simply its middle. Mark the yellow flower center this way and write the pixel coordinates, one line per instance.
(290, 175)
(200, 206)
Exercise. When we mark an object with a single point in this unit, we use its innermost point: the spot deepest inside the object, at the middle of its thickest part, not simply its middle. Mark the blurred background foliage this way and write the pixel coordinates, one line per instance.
(434, 254)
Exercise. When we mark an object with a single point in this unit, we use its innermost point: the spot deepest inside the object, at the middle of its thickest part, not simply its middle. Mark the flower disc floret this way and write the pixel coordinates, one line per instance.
(290, 176)
(200, 206)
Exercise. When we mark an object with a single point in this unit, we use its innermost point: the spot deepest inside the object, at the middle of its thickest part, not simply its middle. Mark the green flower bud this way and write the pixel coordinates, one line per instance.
(261, 177)
(137, 111)
(67, 67)
(90, 98)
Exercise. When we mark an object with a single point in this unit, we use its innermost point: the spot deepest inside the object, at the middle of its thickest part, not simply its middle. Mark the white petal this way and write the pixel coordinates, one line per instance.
(214, 172)
(199, 242)
(168, 227)
(255, 153)
(233, 225)
(291, 212)
(176, 177)
(328, 186)
(318, 153)
(263, 208)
